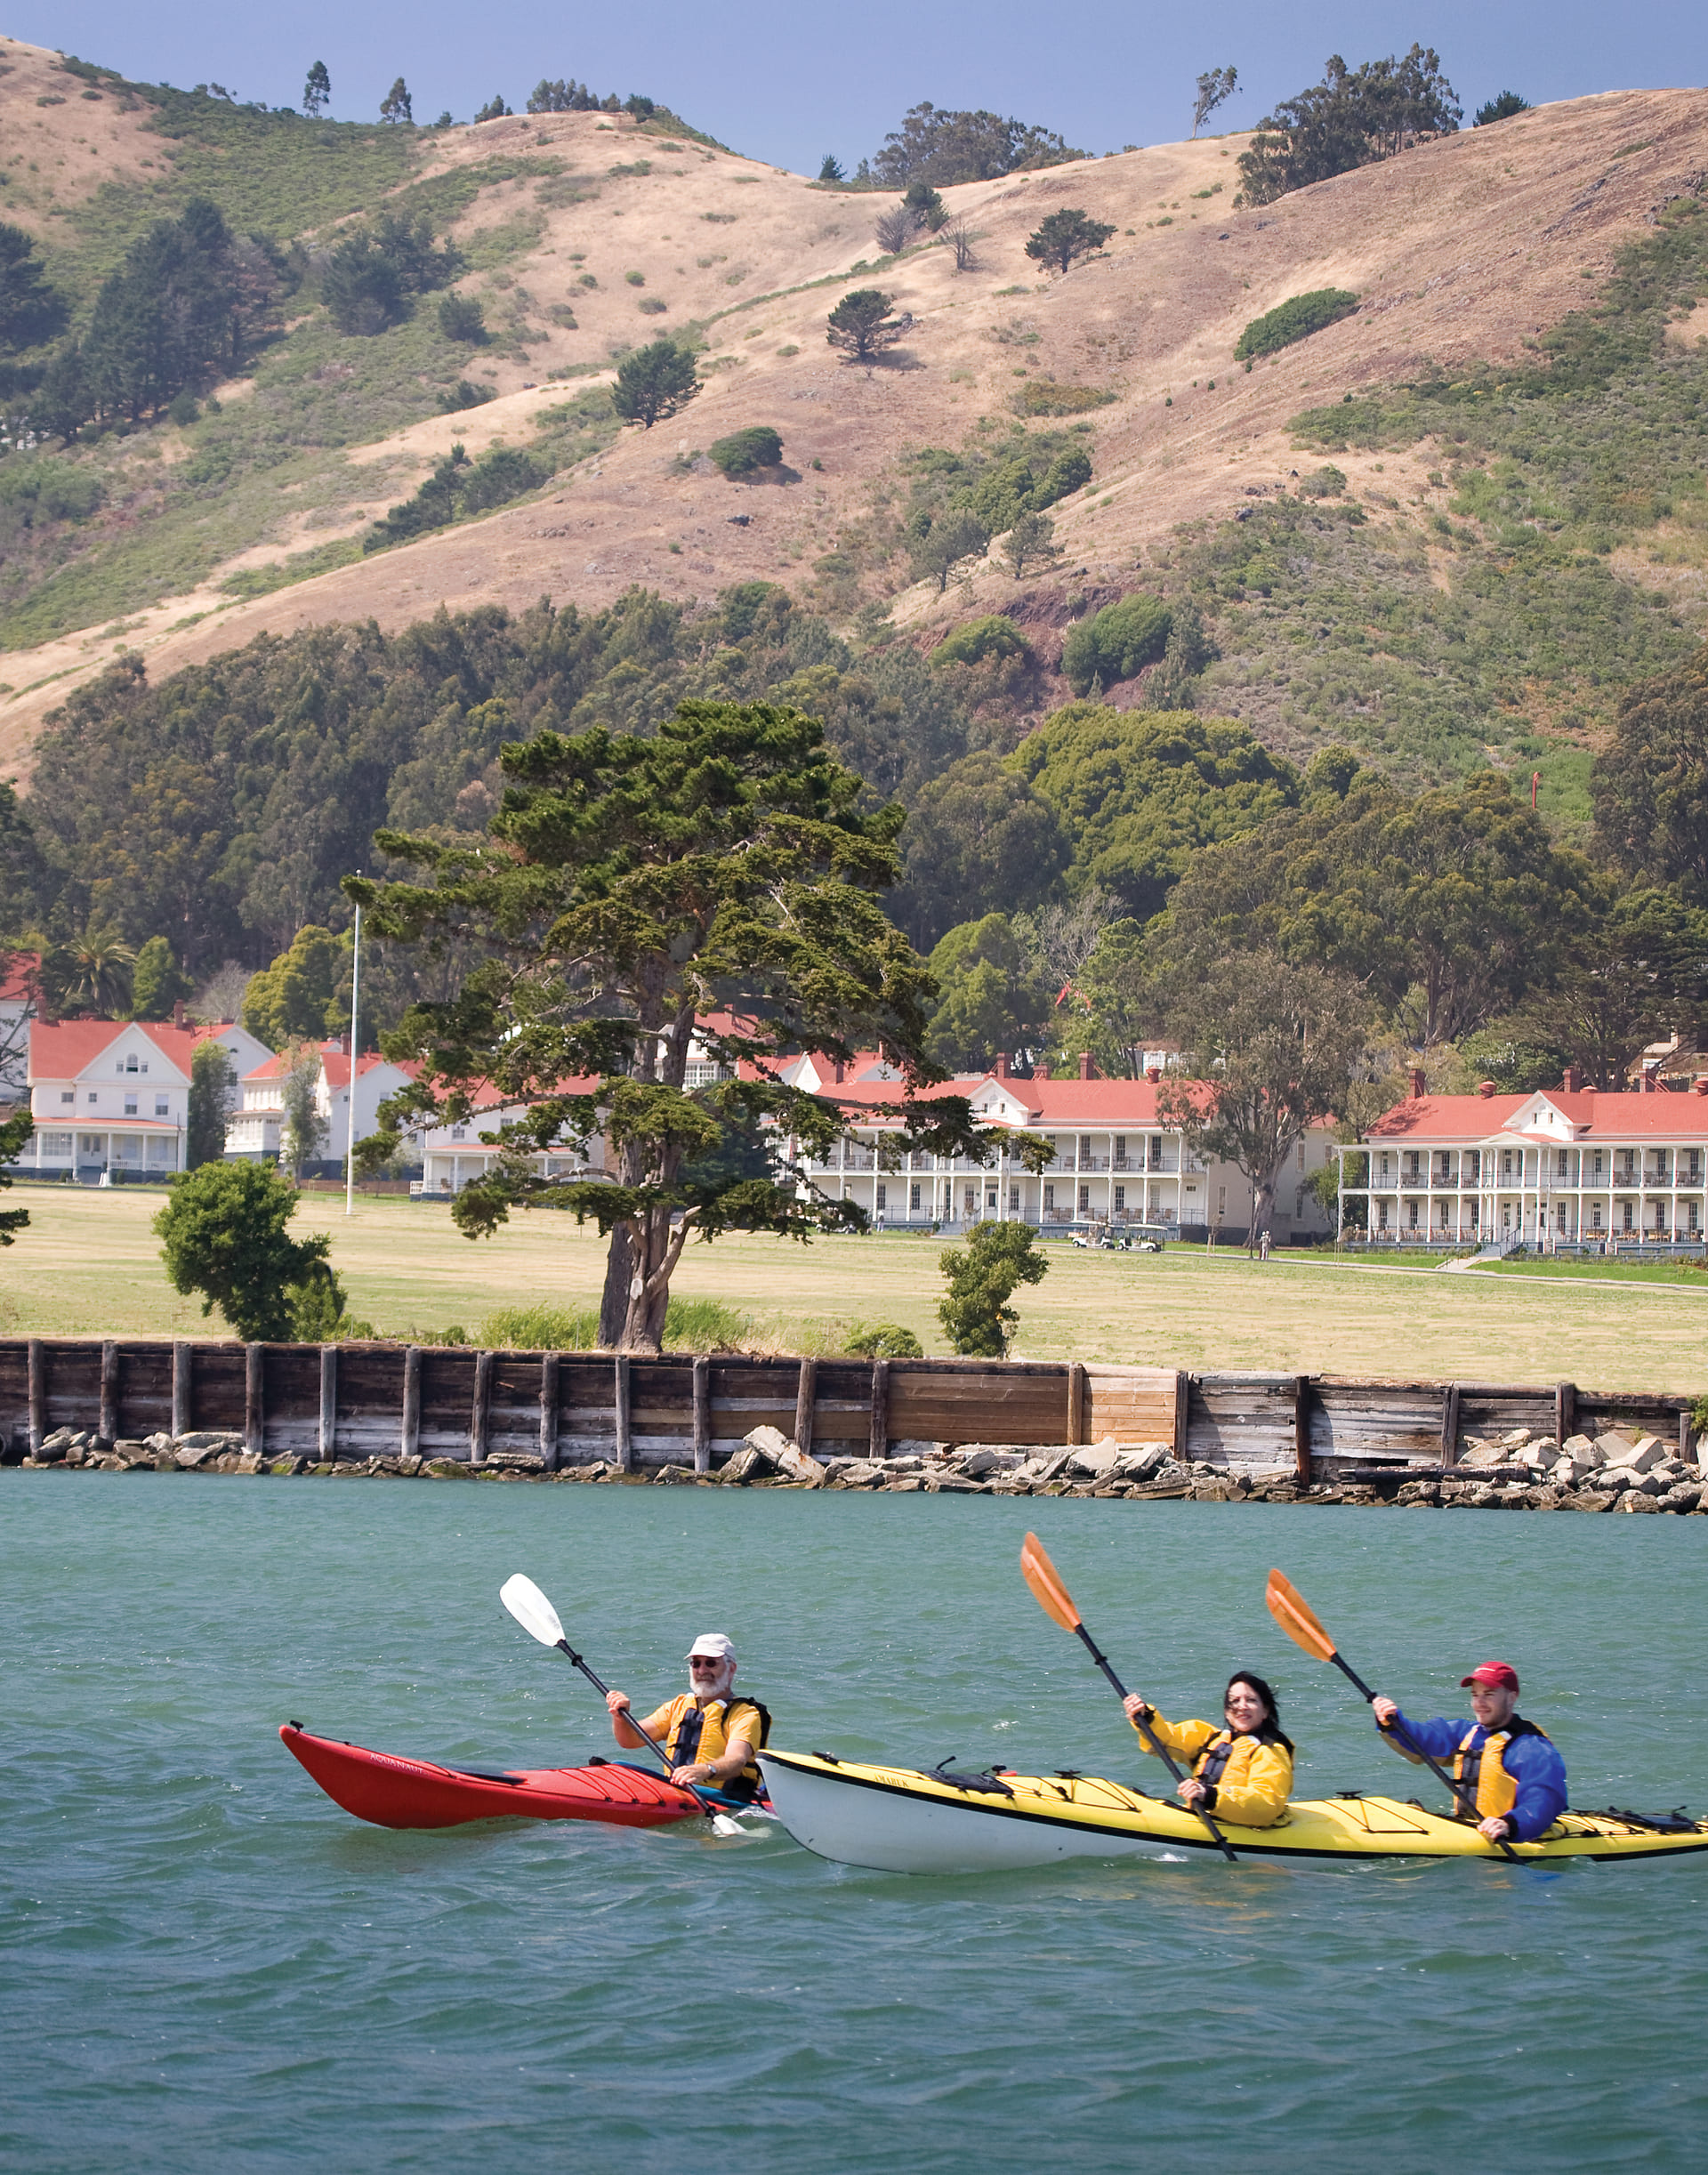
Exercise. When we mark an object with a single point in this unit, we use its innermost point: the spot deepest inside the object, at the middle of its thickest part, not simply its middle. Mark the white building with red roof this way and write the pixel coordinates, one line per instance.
(256, 1130)
(1118, 1165)
(1563, 1168)
(111, 1097)
(453, 1156)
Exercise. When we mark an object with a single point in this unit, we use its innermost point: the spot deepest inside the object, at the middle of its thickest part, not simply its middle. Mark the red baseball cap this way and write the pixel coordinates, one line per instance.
(1492, 1673)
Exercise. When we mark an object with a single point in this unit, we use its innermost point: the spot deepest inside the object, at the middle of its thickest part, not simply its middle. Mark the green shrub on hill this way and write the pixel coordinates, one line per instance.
(995, 635)
(1295, 319)
(458, 488)
(1043, 396)
(1116, 643)
(745, 451)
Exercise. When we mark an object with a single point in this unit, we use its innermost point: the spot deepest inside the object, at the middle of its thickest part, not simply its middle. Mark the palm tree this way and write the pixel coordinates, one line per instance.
(90, 973)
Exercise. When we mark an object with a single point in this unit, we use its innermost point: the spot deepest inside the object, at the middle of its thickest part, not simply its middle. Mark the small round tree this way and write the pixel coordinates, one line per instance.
(862, 327)
(744, 451)
(653, 382)
(982, 1276)
(1065, 236)
(223, 1229)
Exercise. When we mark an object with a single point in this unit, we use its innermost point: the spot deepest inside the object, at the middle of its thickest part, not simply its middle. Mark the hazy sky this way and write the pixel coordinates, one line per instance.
(786, 82)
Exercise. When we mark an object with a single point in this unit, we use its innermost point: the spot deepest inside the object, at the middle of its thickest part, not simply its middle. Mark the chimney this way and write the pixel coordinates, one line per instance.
(1419, 1088)
(1001, 1064)
(1700, 1083)
(1486, 1088)
(840, 1072)
(178, 1012)
(1569, 1081)
(1087, 1067)
(1153, 1072)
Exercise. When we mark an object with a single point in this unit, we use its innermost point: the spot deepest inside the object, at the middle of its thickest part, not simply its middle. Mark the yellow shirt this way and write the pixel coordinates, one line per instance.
(1257, 1781)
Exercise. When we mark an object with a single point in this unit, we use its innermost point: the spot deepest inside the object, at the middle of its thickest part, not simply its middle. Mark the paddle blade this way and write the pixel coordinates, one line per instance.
(531, 1609)
(1288, 1606)
(1047, 1589)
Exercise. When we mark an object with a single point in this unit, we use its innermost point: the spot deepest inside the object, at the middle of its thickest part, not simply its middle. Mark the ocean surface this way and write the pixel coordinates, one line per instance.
(205, 1965)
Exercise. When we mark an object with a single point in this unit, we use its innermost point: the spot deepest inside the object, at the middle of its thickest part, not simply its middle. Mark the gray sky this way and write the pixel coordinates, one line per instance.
(786, 82)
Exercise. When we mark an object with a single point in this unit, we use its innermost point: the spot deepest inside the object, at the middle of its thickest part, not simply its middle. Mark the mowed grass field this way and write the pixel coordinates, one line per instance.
(89, 1264)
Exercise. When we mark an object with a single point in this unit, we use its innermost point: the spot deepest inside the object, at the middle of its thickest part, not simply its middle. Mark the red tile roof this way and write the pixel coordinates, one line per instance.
(62, 1048)
(18, 979)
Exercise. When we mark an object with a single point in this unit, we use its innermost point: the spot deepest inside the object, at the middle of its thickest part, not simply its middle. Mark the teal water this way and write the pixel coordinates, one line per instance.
(207, 1966)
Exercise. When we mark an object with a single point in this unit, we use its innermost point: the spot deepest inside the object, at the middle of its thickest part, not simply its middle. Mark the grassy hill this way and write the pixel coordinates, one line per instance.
(1445, 529)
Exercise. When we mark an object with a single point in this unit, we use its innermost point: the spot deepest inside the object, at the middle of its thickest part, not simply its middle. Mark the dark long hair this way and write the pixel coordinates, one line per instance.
(1269, 1730)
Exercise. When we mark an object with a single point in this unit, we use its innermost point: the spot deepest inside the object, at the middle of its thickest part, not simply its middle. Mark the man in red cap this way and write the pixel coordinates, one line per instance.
(1508, 1778)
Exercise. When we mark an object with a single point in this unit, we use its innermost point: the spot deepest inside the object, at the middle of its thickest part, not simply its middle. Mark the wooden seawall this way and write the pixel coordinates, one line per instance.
(353, 1401)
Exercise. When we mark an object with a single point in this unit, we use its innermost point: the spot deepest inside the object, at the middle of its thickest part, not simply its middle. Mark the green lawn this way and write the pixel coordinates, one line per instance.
(89, 1264)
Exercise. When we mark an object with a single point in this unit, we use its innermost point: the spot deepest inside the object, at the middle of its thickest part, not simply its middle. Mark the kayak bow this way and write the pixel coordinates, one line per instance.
(898, 1820)
(405, 1793)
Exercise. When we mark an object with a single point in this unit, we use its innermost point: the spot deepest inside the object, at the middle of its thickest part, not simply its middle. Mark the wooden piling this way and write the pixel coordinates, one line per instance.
(879, 1443)
(625, 1415)
(107, 1428)
(1565, 1412)
(806, 1390)
(182, 1386)
(1182, 1415)
(1450, 1424)
(480, 1413)
(409, 1439)
(702, 1414)
(38, 1429)
(253, 1415)
(548, 1410)
(1302, 1428)
(328, 1435)
(1075, 1402)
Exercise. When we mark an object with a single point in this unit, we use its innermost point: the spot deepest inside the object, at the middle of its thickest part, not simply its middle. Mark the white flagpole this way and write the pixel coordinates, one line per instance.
(350, 1112)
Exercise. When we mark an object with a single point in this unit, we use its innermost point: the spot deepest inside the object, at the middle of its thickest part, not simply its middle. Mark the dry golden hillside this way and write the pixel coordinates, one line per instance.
(1460, 249)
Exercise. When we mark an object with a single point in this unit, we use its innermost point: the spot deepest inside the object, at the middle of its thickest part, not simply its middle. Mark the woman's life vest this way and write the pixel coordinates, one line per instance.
(692, 1734)
(1248, 1779)
(1482, 1789)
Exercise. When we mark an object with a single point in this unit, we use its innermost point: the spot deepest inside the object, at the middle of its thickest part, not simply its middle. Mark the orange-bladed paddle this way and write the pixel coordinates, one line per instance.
(1298, 1620)
(1058, 1604)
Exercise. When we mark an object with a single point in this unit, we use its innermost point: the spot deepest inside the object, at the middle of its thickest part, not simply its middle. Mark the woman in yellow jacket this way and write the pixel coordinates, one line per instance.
(1242, 1773)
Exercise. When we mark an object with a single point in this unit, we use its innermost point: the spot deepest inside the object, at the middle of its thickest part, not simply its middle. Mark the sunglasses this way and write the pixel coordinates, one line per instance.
(704, 1661)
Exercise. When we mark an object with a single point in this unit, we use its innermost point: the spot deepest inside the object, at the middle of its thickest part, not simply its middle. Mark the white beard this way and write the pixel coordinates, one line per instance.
(719, 1687)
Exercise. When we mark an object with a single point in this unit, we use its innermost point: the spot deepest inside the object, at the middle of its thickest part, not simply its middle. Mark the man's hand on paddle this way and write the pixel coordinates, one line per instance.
(1384, 1710)
(1496, 1827)
(622, 1726)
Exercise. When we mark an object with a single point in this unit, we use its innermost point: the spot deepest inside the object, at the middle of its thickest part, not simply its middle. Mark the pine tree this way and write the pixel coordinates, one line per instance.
(397, 106)
(317, 92)
(653, 382)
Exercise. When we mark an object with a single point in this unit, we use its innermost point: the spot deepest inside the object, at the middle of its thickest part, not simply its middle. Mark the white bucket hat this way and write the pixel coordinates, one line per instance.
(715, 1644)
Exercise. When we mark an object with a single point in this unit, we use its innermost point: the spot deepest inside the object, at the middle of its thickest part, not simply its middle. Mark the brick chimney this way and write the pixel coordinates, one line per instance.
(1087, 1067)
(1569, 1080)
(1419, 1088)
(178, 1019)
(840, 1072)
(1001, 1064)
(1155, 1072)
(1700, 1083)
(1486, 1088)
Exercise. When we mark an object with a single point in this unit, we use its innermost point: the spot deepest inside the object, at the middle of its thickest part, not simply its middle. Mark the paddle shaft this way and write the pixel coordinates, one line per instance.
(663, 1757)
(1151, 1742)
(1417, 1751)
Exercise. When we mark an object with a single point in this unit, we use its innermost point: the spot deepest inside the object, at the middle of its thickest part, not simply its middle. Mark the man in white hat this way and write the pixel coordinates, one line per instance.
(709, 1736)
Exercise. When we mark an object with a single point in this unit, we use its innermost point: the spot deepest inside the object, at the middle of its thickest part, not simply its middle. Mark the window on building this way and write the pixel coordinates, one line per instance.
(1506, 1163)
(1221, 1202)
(94, 1098)
(1384, 1168)
(1595, 1217)
(913, 1199)
(1120, 1196)
(882, 1198)
(1155, 1151)
(1049, 1197)
(459, 1133)
(161, 1108)
(990, 1196)
(1120, 1151)
(67, 1095)
(970, 1197)
(1084, 1200)
(1014, 1200)
(1414, 1210)
(1696, 1162)
(1627, 1209)
(130, 1106)
(1598, 1162)
(1564, 1163)
(54, 1145)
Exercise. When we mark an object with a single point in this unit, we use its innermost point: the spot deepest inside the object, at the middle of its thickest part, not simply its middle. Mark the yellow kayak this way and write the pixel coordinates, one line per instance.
(899, 1820)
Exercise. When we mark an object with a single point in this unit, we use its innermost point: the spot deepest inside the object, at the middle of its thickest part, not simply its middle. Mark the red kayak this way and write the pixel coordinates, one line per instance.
(393, 1792)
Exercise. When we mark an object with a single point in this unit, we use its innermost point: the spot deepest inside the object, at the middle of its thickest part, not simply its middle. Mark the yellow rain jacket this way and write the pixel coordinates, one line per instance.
(1249, 1780)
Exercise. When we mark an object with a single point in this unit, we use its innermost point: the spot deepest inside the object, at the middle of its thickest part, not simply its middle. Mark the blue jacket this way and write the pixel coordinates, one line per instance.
(1533, 1762)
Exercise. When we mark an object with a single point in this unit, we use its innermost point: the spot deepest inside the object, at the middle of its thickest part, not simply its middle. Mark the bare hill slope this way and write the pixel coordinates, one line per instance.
(1463, 249)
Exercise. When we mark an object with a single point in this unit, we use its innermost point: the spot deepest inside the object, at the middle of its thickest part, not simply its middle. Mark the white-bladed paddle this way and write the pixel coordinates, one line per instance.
(537, 1617)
